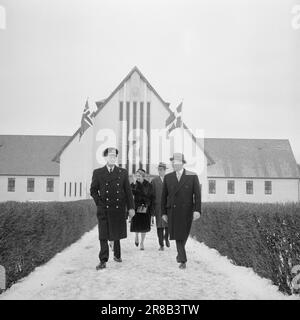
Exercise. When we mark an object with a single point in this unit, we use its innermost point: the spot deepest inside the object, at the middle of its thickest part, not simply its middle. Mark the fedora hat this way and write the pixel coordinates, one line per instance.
(162, 165)
(178, 156)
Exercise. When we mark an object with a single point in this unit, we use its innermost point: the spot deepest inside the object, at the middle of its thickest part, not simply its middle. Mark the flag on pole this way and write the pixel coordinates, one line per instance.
(86, 119)
(174, 120)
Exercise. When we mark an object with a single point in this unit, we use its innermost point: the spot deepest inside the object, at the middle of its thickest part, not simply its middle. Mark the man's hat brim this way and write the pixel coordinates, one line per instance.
(178, 157)
(162, 165)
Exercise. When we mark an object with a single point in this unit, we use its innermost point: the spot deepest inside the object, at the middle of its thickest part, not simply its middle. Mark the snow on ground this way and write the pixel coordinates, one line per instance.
(148, 274)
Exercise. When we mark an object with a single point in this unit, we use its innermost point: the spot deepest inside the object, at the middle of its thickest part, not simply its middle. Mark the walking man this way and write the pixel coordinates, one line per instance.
(112, 194)
(180, 204)
(161, 225)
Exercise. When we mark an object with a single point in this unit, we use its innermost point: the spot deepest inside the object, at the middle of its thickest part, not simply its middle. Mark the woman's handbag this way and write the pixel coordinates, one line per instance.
(142, 209)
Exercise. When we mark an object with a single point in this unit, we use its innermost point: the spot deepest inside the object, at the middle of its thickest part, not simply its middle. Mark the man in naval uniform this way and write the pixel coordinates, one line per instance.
(112, 194)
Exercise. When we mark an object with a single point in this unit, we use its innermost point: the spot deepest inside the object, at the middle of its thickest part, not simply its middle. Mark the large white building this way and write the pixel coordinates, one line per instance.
(252, 170)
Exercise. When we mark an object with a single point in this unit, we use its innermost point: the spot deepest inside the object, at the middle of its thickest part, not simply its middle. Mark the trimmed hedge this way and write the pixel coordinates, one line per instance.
(265, 237)
(31, 233)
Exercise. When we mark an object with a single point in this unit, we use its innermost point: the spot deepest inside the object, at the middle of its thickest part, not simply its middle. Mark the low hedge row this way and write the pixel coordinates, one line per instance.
(31, 233)
(265, 237)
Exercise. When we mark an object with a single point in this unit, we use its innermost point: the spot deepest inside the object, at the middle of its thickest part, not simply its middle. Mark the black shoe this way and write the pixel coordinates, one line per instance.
(167, 243)
(136, 243)
(161, 248)
(101, 265)
(182, 265)
(118, 259)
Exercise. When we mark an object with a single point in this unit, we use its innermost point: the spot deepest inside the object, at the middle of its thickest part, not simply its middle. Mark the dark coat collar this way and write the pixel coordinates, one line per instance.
(111, 176)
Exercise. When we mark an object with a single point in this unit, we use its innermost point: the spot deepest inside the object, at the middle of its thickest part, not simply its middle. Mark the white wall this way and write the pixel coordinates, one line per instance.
(21, 194)
(75, 166)
(283, 190)
(80, 158)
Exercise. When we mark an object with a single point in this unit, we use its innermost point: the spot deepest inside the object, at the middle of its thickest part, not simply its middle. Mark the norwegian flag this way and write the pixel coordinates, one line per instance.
(174, 120)
(86, 119)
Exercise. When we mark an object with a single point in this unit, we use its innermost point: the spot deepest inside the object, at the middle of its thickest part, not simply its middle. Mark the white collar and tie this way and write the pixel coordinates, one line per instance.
(179, 174)
(110, 169)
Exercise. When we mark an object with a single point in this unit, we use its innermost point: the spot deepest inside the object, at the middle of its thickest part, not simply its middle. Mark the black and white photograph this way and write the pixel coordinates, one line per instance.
(149, 152)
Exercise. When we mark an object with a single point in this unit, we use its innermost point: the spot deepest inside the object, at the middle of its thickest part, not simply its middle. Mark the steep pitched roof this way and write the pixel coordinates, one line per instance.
(251, 158)
(101, 104)
(29, 154)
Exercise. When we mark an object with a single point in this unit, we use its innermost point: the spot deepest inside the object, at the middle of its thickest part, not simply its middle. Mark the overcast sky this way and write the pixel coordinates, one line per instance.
(235, 63)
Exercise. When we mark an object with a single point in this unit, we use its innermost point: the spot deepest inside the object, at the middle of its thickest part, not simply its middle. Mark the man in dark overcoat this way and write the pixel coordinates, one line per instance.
(161, 225)
(180, 204)
(112, 194)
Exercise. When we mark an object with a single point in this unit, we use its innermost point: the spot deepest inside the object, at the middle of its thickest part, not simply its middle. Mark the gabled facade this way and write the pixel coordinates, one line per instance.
(133, 105)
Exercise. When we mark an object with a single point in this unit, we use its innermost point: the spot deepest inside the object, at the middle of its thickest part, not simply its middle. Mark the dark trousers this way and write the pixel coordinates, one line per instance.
(104, 250)
(162, 234)
(181, 254)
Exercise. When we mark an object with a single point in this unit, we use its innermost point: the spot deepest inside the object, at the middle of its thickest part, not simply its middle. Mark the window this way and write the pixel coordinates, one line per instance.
(11, 184)
(230, 186)
(70, 189)
(268, 187)
(65, 189)
(80, 189)
(75, 189)
(249, 187)
(50, 184)
(212, 186)
(30, 184)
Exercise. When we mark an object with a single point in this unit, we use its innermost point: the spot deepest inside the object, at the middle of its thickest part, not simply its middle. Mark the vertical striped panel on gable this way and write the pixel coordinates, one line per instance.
(102, 103)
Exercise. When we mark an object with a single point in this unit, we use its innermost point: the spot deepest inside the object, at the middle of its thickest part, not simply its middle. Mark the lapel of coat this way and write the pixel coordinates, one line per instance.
(181, 181)
(159, 180)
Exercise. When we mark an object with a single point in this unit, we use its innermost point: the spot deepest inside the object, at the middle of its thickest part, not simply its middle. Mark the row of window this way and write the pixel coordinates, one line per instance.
(231, 187)
(11, 184)
(73, 189)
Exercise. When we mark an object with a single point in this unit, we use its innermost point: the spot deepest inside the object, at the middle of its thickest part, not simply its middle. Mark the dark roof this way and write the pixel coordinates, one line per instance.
(29, 154)
(101, 104)
(234, 158)
(255, 158)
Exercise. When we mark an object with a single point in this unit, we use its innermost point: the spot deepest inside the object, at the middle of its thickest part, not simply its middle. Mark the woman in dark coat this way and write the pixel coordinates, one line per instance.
(141, 221)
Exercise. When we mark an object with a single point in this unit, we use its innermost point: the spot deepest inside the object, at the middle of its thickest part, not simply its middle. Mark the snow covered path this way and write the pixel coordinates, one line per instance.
(149, 274)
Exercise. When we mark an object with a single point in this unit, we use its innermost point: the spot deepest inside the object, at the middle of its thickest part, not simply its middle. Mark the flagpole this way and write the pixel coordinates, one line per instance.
(182, 129)
(93, 145)
(85, 162)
